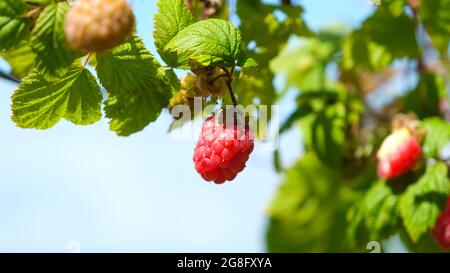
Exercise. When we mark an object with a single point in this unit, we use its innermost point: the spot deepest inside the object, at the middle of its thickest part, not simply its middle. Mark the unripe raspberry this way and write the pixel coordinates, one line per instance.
(186, 94)
(222, 151)
(441, 230)
(208, 86)
(181, 98)
(201, 86)
(210, 81)
(98, 25)
(188, 82)
(398, 154)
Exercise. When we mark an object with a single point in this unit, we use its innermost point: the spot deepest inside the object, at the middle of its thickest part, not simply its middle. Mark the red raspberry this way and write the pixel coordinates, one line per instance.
(441, 230)
(398, 153)
(222, 151)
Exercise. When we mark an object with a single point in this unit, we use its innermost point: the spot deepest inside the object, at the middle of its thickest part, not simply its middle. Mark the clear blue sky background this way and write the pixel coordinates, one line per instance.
(140, 193)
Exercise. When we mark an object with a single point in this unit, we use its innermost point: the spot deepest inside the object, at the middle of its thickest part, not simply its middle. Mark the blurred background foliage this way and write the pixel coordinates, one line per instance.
(349, 85)
(331, 199)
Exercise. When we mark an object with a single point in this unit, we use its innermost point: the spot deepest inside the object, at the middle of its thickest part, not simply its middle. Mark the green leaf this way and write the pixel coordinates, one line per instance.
(301, 111)
(53, 55)
(384, 36)
(422, 202)
(435, 16)
(255, 89)
(130, 114)
(137, 85)
(308, 211)
(262, 26)
(359, 50)
(304, 65)
(40, 2)
(395, 32)
(437, 135)
(376, 213)
(425, 244)
(20, 58)
(207, 42)
(173, 16)
(248, 65)
(328, 135)
(13, 25)
(425, 98)
(40, 104)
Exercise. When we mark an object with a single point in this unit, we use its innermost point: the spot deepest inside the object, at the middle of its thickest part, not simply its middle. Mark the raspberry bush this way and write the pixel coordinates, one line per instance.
(375, 162)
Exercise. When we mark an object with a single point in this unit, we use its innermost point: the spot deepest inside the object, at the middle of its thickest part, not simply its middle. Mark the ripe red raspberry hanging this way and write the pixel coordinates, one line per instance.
(398, 154)
(441, 230)
(222, 151)
(98, 25)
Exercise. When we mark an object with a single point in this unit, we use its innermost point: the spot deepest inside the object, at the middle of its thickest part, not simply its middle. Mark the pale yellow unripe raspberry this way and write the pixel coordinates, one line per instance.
(98, 25)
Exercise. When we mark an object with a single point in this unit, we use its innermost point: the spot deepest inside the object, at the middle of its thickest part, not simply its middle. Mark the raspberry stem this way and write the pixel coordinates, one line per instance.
(218, 77)
(228, 81)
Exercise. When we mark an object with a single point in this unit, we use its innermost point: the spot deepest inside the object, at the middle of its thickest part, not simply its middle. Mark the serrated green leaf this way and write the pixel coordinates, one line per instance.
(207, 42)
(40, 104)
(173, 16)
(376, 213)
(20, 58)
(13, 25)
(437, 135)
(422, 202)
(137, 85)
(53, 54)
(131, 114)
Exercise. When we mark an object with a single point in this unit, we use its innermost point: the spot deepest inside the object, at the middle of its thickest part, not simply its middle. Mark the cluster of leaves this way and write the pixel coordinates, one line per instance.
(331, 199)
(56, 82)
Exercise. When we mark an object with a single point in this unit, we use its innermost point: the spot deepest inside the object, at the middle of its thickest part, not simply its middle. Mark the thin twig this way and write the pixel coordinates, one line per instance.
(218, 77)
(31, 13)
(9, 77)
(421, 64)
(88, 57)
(229, 79)
(233, 97)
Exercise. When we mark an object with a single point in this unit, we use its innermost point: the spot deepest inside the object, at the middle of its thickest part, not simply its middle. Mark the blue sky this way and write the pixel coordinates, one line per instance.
(141, 193)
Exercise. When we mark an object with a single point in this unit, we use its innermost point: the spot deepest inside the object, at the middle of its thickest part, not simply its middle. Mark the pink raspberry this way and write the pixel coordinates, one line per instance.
(441, 230)
(398, 154)
(222, 151)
